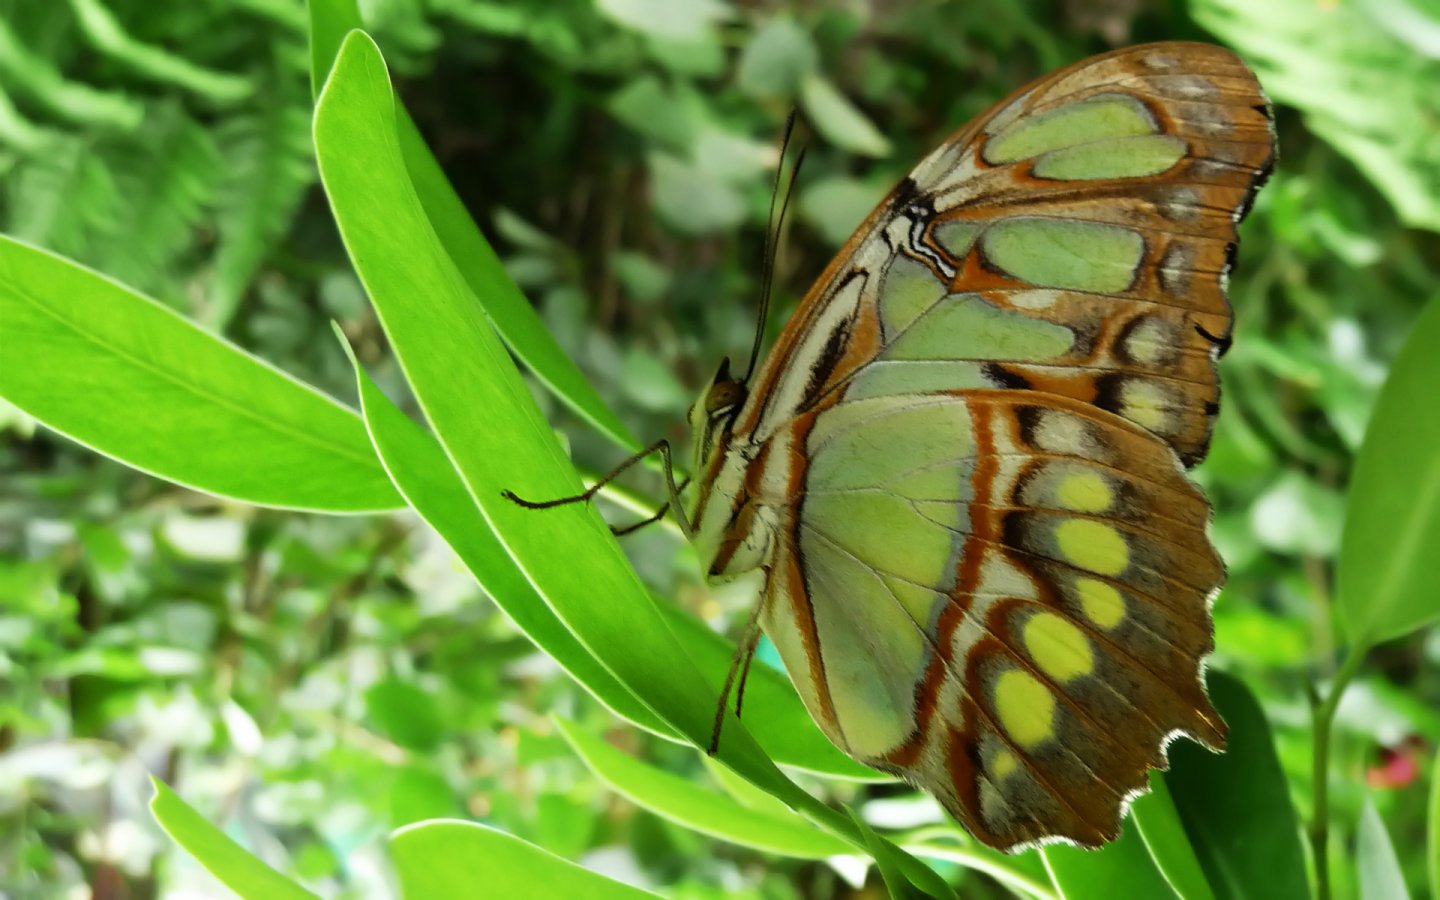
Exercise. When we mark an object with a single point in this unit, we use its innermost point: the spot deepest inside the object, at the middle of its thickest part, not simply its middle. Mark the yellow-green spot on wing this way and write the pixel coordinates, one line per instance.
(880, 529)
(909, 289)
(1084, 491)
(1059, 648)
(1093, 545)
(1100, 602)
(957, 236)
(888, 443)
(1003, 764)
(1081, 256)
(965, 326)
(1025, 707)
(1132, 157)
(876, 566)
(1146, 404)
(1103, 117)
(888, 377)
(872, 650)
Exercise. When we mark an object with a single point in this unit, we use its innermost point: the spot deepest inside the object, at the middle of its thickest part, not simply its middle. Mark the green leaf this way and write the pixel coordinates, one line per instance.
(838, 120)
(1433, 827)
(222, 857)
(269, 167)
(32, 74)
(837, 206)
(897, 886)
(701, 57)
(131, 379)
(1363, 90)
(148, 61)
(1024, 873)
(456, 366)
(777, 59)
(428, 481)
(1298, 516)
(1122, 868)
(691, 199)
(1164, 835)
(330, 21)
(65, 199)
(462, 859)
(168, 190)
(657, 112)
(1375, 862)
(405, 714)
(1392, 528)
(20, 133)
(1236, 806)
(676, 20)
(509, 311)
(699, 809)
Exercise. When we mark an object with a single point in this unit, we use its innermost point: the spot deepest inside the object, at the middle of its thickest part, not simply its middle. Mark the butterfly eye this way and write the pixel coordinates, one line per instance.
(723, 396)
(724, 393)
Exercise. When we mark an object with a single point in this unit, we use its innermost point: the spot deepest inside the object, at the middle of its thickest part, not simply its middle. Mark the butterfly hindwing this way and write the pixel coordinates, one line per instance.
(979, 596)
(962, 463)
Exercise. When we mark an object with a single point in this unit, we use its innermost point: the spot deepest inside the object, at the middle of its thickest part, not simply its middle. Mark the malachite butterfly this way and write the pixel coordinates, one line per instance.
(961, 468)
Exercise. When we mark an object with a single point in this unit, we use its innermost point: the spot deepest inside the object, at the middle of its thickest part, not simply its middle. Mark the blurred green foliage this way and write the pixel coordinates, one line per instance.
(314, 682)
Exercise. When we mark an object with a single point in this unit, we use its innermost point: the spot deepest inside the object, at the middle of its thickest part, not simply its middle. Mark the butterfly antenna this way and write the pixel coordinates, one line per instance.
(772, 239)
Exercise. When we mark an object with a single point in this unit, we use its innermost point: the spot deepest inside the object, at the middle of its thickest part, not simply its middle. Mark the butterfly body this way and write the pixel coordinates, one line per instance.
(961, 467)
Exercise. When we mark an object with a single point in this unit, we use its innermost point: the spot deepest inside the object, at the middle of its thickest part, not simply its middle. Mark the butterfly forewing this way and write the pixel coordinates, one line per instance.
(962, 463)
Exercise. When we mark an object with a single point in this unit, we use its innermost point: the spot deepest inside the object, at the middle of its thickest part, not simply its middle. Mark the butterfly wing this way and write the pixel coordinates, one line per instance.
(962, 463)
(1093, 213)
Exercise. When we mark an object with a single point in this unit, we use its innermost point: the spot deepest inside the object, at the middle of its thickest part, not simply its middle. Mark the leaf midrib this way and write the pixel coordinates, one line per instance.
(277, 426)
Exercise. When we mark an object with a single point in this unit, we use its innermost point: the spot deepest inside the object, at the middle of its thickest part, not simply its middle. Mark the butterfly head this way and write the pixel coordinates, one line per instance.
(713, 413)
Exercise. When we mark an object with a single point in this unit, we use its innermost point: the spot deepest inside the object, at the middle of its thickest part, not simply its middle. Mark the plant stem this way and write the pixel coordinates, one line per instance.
(1324, 717)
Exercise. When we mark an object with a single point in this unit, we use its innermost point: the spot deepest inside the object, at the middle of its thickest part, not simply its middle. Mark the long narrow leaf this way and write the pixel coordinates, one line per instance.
(709, 812)
(511, 314)
(1432, 828)
(1376, 865)
(424, 476)
(480, 409)
(446, 858)
(1164, 835)
(1236, 807)
(222, 857)
(131, 379)
(1392, 523)
(1122, 868)
(489, 426)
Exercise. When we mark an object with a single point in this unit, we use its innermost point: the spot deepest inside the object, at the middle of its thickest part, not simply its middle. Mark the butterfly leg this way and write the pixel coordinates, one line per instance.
(661, 446)
(657, 516)
(739, 663)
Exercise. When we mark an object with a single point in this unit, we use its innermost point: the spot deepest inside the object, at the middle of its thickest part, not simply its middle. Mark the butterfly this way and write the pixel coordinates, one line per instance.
(961, 466)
